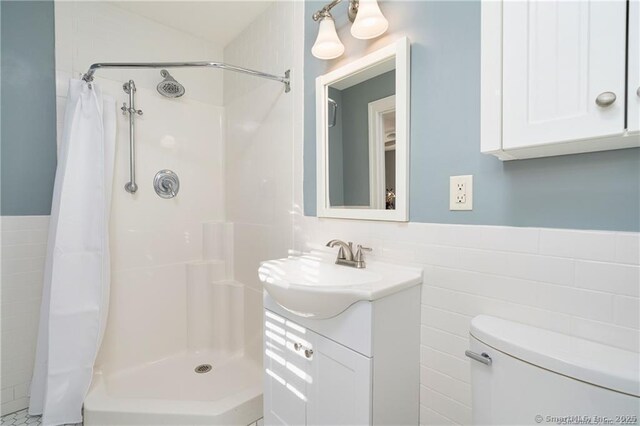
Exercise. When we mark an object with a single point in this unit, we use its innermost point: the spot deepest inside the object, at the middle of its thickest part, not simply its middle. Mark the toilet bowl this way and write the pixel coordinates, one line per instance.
(525, 375)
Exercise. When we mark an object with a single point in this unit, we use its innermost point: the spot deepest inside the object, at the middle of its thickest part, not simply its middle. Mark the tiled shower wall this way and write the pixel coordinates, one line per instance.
(259, 154)
(24, 241)
(581, 283)
(185, 135)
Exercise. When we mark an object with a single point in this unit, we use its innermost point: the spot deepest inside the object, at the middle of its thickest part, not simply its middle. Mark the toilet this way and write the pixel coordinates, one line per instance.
(526, 375)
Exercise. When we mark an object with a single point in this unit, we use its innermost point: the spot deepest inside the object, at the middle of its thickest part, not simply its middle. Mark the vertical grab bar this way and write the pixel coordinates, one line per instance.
(130, 88)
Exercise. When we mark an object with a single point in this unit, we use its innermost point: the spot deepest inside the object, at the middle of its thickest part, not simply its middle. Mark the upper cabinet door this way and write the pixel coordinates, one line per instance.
(563, 71)
(341, 390)
(633, 115)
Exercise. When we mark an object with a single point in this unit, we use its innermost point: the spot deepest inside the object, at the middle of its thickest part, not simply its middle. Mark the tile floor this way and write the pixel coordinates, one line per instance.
(21, 418)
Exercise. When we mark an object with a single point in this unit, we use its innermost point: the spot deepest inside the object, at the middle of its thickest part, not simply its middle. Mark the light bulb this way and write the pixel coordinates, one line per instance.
(327, 45)
(370, 22)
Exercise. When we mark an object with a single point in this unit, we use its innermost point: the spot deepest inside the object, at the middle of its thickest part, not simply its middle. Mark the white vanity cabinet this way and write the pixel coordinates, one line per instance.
(554, 77)
(360, 367)
(330, 386)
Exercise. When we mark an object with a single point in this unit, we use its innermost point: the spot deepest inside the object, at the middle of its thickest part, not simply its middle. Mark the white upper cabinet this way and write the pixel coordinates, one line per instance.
(633, 88)
(558, 58)
(554, 77)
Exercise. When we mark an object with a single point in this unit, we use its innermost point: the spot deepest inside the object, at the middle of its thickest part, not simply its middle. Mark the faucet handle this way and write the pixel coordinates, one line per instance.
(360, 250)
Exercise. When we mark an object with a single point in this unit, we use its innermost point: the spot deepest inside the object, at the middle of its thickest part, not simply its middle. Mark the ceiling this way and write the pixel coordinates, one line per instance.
(213, 20)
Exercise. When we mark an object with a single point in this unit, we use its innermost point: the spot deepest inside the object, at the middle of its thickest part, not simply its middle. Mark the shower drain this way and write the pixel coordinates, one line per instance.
(202, 368)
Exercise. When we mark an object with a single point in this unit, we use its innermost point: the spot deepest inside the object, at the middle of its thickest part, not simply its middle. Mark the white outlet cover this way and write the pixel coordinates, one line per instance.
(466, 182)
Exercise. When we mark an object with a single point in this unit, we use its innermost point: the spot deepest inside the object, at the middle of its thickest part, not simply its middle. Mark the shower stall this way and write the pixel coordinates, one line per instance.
(177, 353)
(182, 337)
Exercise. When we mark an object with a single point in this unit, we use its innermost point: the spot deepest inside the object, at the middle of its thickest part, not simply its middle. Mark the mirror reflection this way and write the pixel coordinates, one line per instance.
(361, 129)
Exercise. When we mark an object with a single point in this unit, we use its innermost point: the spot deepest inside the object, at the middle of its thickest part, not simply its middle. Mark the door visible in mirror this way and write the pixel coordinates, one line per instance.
(361, 123)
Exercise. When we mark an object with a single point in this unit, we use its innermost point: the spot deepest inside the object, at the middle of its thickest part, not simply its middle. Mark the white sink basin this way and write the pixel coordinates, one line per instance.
(312, 285)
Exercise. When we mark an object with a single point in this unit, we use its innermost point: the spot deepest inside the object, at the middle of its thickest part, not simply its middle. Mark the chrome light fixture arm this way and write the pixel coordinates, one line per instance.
(326, 10)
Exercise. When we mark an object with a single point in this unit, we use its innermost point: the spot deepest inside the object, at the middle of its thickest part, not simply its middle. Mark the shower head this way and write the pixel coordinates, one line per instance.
(169, 87)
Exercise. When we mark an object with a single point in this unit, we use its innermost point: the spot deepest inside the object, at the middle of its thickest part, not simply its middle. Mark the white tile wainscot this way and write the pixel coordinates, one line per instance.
(582, 283)
(24, 245)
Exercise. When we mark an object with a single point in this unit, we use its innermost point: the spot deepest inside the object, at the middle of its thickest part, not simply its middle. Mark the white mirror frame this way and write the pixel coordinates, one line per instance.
(401, 51)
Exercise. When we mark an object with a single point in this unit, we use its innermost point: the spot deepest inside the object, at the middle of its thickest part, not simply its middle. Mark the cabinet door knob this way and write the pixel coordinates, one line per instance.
(297, 346)
(638, 91)
(308, 353)
(605, 99)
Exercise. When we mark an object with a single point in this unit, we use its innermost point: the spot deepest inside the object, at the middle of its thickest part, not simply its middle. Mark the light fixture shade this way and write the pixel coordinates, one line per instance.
(370, 22)
(327, 45)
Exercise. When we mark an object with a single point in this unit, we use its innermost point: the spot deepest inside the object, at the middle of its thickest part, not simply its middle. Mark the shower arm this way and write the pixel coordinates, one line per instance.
(88, 76)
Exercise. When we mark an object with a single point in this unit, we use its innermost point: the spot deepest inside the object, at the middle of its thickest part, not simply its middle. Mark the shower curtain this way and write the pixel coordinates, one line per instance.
(76, 277)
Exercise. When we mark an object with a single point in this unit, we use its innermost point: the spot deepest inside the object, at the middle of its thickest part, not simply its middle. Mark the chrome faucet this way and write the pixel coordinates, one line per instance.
(346, 256)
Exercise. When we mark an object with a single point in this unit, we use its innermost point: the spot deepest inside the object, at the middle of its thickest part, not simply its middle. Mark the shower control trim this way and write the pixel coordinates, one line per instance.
(166, 184)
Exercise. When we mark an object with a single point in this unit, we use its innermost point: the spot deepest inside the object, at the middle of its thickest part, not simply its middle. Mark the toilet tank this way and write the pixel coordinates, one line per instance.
(524, 375)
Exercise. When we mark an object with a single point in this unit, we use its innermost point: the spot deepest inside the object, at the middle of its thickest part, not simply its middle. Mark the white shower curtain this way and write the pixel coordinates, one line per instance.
(76, 280)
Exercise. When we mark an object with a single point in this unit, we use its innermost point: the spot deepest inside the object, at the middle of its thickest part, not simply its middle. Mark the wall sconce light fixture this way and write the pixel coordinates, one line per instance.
(368, 22)
(328, 44)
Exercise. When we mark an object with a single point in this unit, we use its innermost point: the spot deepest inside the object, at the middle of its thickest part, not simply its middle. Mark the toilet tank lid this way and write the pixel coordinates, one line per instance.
(591, 362)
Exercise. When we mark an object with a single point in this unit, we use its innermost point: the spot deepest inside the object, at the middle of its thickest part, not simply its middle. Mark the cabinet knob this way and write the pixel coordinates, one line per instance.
(297, 346)
(638, 91)
(605, 99)
(308, 353)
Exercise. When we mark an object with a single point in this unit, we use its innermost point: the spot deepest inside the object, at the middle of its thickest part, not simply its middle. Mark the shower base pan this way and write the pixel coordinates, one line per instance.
(171, 392)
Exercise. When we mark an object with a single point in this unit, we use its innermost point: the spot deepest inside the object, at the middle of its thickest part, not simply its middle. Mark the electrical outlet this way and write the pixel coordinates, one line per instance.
(461, 192)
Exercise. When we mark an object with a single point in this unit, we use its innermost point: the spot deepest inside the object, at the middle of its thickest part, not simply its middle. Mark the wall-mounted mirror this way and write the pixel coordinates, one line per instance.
(362, 121)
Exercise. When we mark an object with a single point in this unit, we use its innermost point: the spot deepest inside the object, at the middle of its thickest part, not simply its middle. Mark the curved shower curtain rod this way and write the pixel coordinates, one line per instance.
(88, 76)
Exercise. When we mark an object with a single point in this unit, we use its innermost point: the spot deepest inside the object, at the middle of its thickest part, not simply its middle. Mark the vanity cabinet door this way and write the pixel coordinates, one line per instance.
(285, 372)
(563, 65)
(340, 387)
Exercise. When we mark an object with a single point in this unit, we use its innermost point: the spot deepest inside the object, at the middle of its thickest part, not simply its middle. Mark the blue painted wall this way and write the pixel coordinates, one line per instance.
(28, 107)
(588, 191)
